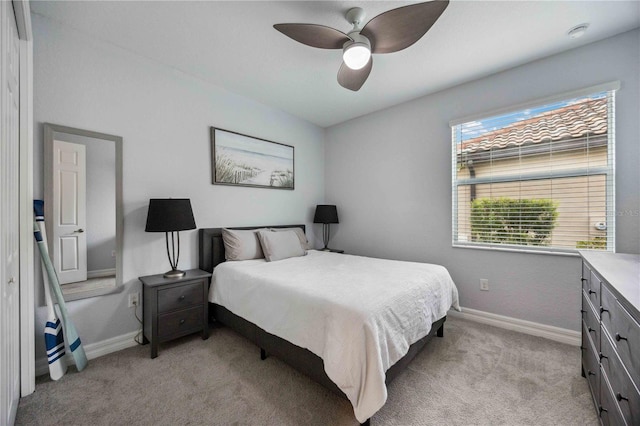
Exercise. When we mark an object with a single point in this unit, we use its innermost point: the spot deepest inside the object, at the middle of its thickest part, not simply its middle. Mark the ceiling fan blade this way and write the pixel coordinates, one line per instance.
(314, 35)
(354, 79)
(399, 28)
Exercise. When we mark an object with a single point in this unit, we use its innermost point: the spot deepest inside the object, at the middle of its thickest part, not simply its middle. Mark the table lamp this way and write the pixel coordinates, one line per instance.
(170, 215)
(326, 214)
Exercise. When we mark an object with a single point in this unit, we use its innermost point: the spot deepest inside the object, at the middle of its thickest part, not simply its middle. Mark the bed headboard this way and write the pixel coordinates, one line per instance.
(211, 247)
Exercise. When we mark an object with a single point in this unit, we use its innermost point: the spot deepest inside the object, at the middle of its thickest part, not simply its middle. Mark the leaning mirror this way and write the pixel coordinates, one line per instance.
(83, 209)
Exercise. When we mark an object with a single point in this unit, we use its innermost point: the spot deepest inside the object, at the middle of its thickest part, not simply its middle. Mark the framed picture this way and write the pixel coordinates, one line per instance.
(242, 160)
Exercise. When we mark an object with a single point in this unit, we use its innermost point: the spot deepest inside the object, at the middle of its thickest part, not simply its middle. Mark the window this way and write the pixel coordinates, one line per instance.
(538, 178)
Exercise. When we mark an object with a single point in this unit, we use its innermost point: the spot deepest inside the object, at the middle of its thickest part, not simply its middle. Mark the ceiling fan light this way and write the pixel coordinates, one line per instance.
(356, 55)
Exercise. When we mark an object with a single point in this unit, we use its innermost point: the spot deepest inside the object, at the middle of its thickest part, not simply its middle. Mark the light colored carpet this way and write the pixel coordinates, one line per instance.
(475, 375)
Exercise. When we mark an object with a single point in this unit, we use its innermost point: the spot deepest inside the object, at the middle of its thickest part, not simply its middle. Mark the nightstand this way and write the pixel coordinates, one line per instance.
(174, 307)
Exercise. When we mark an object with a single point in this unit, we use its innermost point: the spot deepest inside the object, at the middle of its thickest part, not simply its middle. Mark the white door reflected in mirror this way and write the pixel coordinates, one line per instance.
(69, 211)
(83, 209)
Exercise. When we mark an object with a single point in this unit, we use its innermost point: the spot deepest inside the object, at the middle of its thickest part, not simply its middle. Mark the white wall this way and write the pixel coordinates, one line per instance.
(389, 172)
(163, 116)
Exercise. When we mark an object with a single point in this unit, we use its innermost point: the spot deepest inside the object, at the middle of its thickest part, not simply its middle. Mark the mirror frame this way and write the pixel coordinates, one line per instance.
(50, 130)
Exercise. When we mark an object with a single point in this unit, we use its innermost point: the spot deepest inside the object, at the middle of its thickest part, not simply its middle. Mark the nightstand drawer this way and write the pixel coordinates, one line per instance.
(180, 322)
(180, 297)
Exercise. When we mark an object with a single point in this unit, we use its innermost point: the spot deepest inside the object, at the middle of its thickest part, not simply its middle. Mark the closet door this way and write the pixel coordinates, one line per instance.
(9, 222)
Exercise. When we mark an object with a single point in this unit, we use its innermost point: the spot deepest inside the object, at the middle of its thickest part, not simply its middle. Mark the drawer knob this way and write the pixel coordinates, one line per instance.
(181, 297)
(181, 321)
(619, 397)
(583, 279)
(591, 329)
(603, 409)
(591, 373)
(603, 356)
(619, 337)
(591, 291)
(582, 311)
(602, 309)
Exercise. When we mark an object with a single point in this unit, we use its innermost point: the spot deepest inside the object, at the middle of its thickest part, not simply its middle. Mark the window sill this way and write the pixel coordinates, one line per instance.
(517, 250)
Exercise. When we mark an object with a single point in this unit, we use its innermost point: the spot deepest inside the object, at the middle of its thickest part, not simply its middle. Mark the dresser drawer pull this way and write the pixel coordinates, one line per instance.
(603, 356)
(591, 329)
(582, 311)
(591, 373)
(181, 297)
(181, 321)
(591, 291)
(619, 397)
(603, 409)
(583, 279)
(602, 309)
(619, 337)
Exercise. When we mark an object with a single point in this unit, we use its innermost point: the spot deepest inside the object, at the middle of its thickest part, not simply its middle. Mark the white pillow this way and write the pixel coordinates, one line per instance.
(280, 245)
(299, 232)
(241, 244)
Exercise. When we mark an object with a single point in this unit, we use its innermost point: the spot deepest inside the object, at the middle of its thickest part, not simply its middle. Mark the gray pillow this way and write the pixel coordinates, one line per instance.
(241, 244)
(299, 232)
(280, 245)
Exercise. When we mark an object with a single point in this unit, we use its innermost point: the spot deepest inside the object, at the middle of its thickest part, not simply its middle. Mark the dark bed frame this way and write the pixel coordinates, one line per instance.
(211, 253)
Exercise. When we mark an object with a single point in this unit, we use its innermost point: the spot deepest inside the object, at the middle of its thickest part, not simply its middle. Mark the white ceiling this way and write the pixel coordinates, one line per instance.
(233, 44)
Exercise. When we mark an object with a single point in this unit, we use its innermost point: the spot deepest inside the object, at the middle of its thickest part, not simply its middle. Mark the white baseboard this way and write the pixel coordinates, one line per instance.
(562, 335)
(558, 334)
(93, 350)
(99, 273)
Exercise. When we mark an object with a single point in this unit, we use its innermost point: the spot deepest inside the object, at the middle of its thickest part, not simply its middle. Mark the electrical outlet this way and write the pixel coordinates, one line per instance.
(484, 284)
(134, 300)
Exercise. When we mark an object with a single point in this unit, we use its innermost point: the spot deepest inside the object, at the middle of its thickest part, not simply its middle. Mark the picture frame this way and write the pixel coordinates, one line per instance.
(242, 160)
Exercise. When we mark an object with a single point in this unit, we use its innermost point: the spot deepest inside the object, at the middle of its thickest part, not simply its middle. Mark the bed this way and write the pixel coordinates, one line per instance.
(341, 324)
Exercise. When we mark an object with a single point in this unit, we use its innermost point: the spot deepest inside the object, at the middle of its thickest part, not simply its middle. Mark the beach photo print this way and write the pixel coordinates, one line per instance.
(243, 160)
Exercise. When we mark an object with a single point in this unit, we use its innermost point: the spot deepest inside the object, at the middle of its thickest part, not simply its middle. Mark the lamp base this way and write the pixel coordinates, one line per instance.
(174, 273)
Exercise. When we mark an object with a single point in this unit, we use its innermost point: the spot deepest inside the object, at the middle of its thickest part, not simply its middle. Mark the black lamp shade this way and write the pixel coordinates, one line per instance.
(169, 214)
(326, 213)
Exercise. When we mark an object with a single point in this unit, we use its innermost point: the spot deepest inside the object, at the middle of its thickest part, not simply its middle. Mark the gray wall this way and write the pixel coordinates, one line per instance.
(389, 172)
(163, 116)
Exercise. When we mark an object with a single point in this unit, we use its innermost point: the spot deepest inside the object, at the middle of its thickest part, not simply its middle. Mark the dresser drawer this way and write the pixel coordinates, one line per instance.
(593, 290)
(180, 322)
(180, 297)
(592, 324)
(609, 413)
(586, 277)
(624, 331)
(626, 395)
(590, 364)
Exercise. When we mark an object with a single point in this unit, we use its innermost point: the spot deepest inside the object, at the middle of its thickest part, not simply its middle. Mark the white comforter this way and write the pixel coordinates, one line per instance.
(359, 314)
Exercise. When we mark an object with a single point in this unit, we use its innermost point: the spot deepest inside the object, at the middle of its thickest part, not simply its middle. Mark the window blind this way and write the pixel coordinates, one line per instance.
(537, 178)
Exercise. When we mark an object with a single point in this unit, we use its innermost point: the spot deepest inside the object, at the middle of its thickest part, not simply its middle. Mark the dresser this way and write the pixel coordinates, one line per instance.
(174, 307)
(611, 334)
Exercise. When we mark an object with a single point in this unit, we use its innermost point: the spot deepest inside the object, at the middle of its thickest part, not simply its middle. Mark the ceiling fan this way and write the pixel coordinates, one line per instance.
(388, 32)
